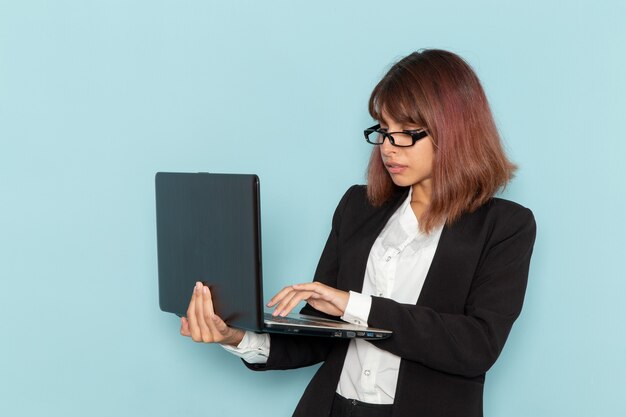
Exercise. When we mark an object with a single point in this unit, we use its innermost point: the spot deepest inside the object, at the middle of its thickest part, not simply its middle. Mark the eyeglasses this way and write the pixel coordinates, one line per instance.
(404, 139)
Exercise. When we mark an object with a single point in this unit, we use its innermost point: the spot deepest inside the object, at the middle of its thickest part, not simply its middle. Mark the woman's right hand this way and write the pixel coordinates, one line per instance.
(203, 325)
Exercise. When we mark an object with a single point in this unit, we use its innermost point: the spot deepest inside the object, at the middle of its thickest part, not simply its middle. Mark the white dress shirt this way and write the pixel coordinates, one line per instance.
(396, 268)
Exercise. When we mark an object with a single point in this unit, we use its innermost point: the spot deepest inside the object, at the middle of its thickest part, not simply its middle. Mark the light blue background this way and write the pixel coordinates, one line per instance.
(96, 96)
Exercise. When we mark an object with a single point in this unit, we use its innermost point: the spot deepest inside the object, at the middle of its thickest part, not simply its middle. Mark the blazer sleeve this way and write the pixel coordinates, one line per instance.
(466, 344)
(289, 351)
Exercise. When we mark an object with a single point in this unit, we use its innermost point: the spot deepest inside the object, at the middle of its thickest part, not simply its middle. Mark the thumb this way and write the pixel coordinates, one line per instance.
(220, 325)
(231, 335)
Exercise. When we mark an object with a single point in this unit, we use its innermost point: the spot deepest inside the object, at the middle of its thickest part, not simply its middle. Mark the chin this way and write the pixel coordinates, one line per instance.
(401, 182)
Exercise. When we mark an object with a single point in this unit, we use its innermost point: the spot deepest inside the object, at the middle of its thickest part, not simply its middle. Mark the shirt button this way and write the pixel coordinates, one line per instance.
(380, 294)
(367, 372)
(388, 258)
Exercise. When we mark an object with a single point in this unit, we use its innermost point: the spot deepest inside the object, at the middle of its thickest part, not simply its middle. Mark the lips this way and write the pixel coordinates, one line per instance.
(395, 168)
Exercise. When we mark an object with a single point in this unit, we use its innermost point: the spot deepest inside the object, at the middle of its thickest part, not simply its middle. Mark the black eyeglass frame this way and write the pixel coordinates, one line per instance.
(415, 135)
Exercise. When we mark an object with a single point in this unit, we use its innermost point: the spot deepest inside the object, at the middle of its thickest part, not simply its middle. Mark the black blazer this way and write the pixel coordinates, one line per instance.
(473, 293)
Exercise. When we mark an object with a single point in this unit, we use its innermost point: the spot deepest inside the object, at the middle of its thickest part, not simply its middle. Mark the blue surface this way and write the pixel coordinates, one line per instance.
(96, 96)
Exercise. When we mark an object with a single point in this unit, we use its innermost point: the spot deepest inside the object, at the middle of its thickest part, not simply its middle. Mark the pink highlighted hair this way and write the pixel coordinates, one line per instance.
(438, 90)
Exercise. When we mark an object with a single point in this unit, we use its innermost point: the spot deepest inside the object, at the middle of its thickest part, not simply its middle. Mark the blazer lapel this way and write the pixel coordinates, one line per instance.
(362, 245)
(451, 271)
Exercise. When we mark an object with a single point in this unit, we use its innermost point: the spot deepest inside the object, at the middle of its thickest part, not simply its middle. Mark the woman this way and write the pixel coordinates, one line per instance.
(424, 250)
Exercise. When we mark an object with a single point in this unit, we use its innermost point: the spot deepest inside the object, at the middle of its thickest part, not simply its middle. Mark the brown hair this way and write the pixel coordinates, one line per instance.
(438, 90)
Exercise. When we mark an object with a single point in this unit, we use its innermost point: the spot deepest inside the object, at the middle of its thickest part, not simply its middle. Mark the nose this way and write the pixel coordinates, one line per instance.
(386, 148)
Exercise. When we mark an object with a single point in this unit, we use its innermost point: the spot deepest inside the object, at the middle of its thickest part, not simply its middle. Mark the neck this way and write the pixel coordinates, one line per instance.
(421, 192)
(420, 197)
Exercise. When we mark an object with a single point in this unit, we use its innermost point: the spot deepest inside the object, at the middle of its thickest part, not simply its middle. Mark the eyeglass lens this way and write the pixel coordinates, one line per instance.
(400, 139)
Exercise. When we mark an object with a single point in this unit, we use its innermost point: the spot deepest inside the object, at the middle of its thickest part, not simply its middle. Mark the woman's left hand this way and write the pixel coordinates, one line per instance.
(319, 296)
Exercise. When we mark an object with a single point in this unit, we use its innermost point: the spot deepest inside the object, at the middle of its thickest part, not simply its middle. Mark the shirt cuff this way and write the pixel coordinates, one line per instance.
(358, 309)
(254, 348)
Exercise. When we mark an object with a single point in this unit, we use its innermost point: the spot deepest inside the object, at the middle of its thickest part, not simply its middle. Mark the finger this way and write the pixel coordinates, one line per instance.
(209, 315)
(202, 316)
(280, 299)
(299, 296)
(280, 295)
(194, 327)
(337, 300)
(207, 300)
(184, 327)
(278, 310)
(287, 305)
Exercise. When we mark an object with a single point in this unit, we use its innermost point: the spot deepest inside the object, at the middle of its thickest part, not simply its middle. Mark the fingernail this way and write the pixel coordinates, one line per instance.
(204, 290)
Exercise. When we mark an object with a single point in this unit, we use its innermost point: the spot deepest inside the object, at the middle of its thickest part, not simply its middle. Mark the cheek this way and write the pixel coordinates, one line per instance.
(423, 155)
(418, 158)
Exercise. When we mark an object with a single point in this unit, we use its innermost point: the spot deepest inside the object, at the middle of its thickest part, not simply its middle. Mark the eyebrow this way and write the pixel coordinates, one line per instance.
(417, 129)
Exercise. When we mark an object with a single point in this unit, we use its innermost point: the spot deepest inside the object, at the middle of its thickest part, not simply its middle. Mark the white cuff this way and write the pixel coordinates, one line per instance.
(358, 309)
(253, 348)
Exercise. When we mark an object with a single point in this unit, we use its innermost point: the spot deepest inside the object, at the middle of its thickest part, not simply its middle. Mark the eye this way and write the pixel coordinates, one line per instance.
(414, 130)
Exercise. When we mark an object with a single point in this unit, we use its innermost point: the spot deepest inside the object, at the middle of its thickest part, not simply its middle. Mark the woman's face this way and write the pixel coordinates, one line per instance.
(411, 165)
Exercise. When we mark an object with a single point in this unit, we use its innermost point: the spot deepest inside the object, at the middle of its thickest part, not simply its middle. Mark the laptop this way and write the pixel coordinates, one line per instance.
(209, 230)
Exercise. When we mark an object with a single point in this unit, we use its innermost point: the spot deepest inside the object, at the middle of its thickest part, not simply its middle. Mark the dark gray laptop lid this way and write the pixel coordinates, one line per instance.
(208, 229)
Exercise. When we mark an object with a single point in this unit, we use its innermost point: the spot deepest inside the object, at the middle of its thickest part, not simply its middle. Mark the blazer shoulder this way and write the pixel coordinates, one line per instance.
(499, 208)
(505, 217)
(356, 198)
(357, 192)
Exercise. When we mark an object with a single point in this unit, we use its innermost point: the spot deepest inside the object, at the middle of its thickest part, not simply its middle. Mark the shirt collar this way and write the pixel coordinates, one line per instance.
(405, 226)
